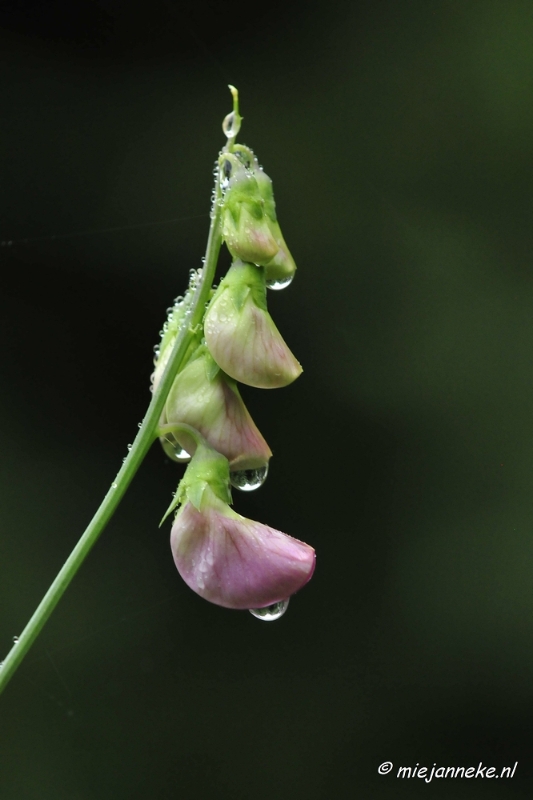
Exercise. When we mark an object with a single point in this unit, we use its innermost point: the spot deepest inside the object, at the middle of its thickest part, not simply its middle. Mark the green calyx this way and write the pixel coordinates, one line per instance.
(240, 187)
(207, 469)
(241, 280)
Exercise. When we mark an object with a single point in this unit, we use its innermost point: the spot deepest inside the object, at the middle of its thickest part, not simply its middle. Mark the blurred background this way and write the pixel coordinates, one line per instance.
(400, 140)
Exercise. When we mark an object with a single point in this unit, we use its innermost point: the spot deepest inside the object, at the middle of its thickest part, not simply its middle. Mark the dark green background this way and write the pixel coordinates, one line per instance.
(399, 136)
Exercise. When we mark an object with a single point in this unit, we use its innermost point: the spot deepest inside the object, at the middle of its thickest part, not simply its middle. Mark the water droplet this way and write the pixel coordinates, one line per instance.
(113, 485)
(247, 480)
(271, 613)
(231, 125)
(129, 447)
(278, 284)
(180, 453)
(15, 639)
(174, 450)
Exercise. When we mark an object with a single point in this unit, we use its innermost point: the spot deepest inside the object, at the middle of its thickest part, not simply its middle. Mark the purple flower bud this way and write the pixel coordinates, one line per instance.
(203, 397)
(241, 334)
(236, 562)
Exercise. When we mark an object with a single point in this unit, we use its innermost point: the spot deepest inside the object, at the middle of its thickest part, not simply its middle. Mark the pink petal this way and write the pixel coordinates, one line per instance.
(248, 346)
(236, 562)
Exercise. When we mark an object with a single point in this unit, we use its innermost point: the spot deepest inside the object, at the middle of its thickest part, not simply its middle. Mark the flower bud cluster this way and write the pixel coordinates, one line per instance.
(227, 559)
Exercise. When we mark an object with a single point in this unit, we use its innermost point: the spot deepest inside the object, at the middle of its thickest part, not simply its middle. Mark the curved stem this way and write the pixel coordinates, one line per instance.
(142, 443)
(182, 427)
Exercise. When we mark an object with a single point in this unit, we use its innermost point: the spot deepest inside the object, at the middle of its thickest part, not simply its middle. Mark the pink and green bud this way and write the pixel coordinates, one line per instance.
(245, 227)
(241, 334)
(236, 562)
(203, 397)
(279, 269)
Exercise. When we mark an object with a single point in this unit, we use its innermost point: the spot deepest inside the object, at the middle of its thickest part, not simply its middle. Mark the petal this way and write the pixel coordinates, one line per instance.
(250, 239)
(247, 345)
(236, 562)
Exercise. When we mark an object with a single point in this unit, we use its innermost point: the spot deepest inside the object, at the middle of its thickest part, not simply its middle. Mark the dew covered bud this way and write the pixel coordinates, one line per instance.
(281, 267)
(241, 334)
(203, 397)
(233, 561)
(245, 227)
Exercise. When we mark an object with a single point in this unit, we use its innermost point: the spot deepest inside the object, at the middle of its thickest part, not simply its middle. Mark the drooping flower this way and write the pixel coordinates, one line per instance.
(236, 562)
(225, 558)
(241, 334)
(203, 397)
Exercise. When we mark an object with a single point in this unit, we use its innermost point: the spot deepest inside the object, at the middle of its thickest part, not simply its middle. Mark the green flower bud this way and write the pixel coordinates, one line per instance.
(245, 227)
(279, 269)
(241, 334)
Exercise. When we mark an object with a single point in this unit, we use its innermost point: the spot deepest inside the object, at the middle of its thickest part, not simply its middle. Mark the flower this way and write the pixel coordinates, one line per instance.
(241, 334)
(236, 562)
(245, 227)
(280, 267)
(203, 397)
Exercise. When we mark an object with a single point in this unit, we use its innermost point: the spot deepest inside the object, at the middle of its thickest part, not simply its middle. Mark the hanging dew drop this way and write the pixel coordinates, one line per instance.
(180, 453)
(276, 285)
(174, 450)
(271, 613)
(248, 480)
(15, 639)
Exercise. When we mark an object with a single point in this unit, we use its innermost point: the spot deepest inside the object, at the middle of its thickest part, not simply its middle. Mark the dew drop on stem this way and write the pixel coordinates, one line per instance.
(231, 125)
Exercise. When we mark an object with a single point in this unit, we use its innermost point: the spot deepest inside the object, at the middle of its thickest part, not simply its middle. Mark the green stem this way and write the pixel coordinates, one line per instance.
(143, 441)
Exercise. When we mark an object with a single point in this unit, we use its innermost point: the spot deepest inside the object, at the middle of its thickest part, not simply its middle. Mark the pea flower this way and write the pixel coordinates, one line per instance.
(225, 558)
(203, 397)
(245, 227)
(241, 334)
(280, 268)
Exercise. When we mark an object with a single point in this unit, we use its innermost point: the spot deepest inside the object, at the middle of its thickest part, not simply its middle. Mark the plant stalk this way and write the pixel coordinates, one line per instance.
(143, 441)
